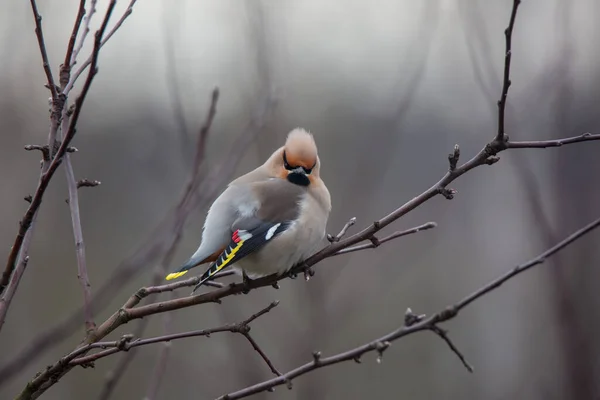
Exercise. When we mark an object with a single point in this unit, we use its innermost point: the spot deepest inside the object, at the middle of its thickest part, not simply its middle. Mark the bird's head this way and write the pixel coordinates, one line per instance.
(297, 161)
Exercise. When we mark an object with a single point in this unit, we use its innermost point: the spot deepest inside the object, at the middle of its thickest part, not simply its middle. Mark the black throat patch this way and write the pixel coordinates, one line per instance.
(298, 179)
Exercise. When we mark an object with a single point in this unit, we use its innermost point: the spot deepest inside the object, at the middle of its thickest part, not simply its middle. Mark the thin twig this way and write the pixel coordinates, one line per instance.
(540, 144)
(86, 30)
(65, 68)
(105, 39)
(82, 273)
(375, 243)
(261, 353)
(444, 336)
(41, 43)
(430, 323)
(506, 81)
(342, 232)
(127, 342)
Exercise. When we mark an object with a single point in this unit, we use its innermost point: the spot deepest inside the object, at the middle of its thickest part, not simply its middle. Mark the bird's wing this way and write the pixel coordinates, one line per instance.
(279, 207)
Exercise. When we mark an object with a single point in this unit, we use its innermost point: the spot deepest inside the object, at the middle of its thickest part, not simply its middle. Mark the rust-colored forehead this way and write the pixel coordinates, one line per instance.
(301, 160)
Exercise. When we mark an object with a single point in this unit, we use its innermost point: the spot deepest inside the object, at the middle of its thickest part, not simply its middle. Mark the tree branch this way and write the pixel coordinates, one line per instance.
(506, 81)
(541, 144)
(90, 59)
(262, 354)
(42, 45)
(46, 176)
(411, 326)
(86, 30)
(128, 342)
(82, 273)
(65, 68)
(376, 242)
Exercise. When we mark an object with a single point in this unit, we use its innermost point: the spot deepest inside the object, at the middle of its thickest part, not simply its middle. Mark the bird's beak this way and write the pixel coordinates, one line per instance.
(298, 170)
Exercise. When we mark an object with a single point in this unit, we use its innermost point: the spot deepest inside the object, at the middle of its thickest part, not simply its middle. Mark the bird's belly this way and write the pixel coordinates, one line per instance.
(282, 253)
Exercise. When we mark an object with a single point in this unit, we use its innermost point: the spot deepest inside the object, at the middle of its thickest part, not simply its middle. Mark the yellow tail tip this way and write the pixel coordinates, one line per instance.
(175, 275)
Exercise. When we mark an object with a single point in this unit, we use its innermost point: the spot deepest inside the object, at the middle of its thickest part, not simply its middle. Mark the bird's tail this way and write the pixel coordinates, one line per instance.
(191, 263)
(205, 276)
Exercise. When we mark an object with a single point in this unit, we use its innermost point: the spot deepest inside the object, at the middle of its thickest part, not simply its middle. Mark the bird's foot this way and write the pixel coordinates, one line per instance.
(247, 282)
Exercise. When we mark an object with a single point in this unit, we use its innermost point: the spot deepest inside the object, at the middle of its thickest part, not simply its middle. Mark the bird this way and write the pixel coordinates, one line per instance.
(269, 219)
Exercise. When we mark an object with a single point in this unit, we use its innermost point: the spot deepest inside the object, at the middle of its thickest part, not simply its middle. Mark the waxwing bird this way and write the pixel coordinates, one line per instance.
(268, 220)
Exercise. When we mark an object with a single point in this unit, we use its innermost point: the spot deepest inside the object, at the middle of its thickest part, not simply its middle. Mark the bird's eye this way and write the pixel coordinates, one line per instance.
(285, 162)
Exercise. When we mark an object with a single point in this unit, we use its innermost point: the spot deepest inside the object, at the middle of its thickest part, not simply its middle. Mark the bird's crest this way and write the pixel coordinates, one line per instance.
(300, 149)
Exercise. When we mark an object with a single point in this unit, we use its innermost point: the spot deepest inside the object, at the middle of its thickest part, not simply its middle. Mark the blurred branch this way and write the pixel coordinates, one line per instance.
(47, 173)
(163, 356)
(82, 273)
(412, 324)
(171, 76)
(127, 341)
(113, 377)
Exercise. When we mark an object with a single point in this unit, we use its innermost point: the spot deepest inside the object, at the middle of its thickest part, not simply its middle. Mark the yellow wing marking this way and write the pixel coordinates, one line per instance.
(175, 275)
(227, 259)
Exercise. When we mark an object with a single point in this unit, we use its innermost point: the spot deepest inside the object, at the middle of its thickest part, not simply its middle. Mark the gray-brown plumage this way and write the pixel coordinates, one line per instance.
(270, 219)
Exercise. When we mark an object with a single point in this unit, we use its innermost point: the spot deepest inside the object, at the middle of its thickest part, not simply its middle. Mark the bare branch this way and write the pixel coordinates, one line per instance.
(86, 29)
(65, 68)
(376, 242)
(40, 38)
(552, 143)
(260, 352)
(506, 82)
(127, 342)
(26, 222)
(342, 233)
(45, 150)
(12, 287)
(422, 324)
(444, 336)
(82, 273)
(90, 59)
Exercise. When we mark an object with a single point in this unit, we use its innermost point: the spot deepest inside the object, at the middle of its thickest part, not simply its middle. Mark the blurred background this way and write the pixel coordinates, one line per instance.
(387, 88)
